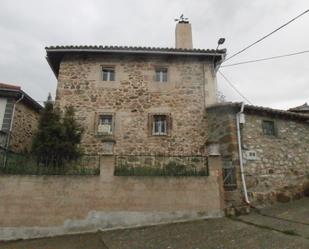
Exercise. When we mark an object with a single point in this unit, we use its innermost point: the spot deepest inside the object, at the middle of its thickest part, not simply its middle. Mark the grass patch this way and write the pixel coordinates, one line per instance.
(172, 168)
(290, 232)
(26, 164)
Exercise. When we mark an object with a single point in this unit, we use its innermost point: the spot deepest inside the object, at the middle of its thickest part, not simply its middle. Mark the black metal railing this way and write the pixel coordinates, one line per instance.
(27, 164)
(161, 165)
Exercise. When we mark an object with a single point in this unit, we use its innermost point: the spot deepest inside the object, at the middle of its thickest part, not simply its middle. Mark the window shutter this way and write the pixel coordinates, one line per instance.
(96, 122)
(150, 124)
(169, 124)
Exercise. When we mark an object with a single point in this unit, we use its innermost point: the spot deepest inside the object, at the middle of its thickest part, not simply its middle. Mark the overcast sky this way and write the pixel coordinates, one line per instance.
(26, 27)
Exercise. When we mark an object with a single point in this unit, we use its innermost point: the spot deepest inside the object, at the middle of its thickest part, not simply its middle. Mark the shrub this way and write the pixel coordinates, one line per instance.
(57, 139)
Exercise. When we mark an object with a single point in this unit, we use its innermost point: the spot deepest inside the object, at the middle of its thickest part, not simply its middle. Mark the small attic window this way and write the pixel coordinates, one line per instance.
(268, 127)
(108, 73)
(161, 74)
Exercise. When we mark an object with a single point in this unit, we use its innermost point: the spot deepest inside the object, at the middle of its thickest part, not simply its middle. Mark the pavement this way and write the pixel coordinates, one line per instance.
(282, 226)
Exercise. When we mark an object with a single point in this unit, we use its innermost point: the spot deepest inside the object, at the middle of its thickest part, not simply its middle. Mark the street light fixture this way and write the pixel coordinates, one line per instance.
(220, 42)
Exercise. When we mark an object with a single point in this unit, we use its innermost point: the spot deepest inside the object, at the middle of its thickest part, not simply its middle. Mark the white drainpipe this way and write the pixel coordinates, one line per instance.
(240, 119)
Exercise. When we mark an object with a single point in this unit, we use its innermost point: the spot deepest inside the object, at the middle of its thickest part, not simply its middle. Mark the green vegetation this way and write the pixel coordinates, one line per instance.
(57, 140)
(26, 164)
(172, 168)
(55, 148)
(290, 232)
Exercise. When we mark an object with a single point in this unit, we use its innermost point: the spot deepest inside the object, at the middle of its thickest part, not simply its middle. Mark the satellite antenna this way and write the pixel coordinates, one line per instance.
(182, 19)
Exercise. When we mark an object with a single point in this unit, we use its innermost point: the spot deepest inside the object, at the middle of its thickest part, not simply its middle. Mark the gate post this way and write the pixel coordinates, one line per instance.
(107, 165)
(215, 169)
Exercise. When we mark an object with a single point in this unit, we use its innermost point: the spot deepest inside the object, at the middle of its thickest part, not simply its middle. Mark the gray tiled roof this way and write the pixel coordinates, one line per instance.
(260, 110)
(301, 108)
(133, 48)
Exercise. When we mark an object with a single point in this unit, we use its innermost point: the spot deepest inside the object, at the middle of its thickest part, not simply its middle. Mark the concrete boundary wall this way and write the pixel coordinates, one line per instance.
(38, 206)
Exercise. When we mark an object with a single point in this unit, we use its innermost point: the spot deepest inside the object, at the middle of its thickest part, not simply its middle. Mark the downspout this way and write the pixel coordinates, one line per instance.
(11, 126)
(204, 86)
(238, 121)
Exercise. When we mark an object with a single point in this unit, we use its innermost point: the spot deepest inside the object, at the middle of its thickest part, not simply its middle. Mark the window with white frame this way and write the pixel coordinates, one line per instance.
(105, 125)
(161, 74)
(108, 73)
(160, 124)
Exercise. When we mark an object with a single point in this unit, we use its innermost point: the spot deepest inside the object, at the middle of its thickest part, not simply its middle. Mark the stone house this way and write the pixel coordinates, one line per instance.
(162, 101)
(19, 115)
(301, 109)
(274, 151)
(139, 100)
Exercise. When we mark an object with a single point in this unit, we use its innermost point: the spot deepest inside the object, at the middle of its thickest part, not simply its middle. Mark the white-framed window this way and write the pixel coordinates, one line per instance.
(105, 124)
(108, 73)
(159, 125)
(161, 74)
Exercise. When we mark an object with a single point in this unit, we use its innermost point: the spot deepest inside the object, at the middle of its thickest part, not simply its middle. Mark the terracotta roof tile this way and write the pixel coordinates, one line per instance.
(9, 86)
(16, 92)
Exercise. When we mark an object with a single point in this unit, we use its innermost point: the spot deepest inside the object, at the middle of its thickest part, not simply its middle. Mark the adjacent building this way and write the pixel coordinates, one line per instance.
(19, 115)
(304, 109)
(269, 147)
(162, 101)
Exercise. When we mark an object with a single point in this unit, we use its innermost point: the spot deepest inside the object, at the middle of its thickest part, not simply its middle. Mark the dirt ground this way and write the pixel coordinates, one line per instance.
(281, 226)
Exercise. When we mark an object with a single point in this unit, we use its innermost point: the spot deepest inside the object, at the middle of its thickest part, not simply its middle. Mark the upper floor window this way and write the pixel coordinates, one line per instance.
(108, 73)
(268, 127)
(161, 74)
(105, 125)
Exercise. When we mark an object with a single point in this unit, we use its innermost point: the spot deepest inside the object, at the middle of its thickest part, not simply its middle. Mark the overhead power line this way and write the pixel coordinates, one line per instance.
(269, 34)
(232, 85)
(265, 59)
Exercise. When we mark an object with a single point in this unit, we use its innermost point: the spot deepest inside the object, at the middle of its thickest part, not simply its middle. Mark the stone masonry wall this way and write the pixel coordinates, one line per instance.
(133, 96)
(281, 168)
(24, 126)
(282, 165)
(222, 129)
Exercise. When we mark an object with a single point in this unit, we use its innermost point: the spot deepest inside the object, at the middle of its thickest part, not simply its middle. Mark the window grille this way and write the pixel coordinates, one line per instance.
(105, 124)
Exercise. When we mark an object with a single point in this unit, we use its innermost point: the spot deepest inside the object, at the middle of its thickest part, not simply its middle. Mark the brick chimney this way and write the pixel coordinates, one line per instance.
(183, 34)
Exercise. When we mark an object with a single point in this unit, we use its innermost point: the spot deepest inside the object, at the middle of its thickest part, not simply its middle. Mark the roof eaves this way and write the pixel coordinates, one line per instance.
(51, 66)
(163, 52)
(16, 93)
(58, 51)
(260, 110)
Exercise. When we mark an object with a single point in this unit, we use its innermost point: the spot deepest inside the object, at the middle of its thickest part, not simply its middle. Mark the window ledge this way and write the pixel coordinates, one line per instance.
(271, 136)
(105, 137)
(160, 136)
